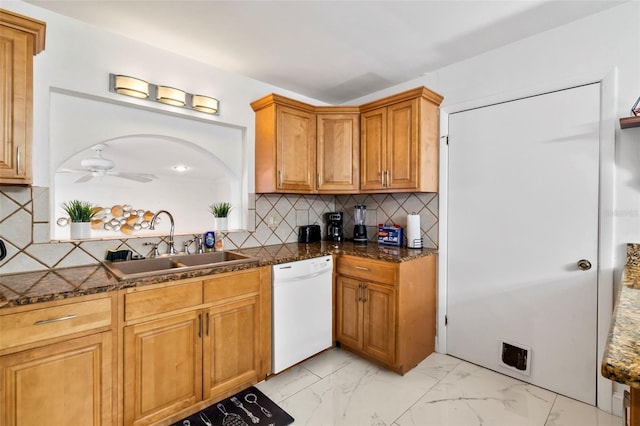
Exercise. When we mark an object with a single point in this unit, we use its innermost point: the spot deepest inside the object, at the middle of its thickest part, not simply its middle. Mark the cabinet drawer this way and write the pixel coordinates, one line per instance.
(369, 270)
(48, 323)
(160, 300)
(232, 285)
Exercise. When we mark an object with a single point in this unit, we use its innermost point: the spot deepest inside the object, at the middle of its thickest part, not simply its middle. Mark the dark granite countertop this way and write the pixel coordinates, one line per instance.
(621, 360)
(44, 286)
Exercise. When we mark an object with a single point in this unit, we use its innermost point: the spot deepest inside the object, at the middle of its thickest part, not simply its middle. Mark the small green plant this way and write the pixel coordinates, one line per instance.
(79, 211)
(220, 209)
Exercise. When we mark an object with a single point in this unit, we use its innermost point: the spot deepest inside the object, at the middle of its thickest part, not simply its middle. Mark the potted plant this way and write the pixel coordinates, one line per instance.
(220, 212)
(80, 214)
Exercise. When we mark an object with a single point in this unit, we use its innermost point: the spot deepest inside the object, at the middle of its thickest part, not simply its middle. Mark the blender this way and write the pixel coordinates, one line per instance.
(359, 230)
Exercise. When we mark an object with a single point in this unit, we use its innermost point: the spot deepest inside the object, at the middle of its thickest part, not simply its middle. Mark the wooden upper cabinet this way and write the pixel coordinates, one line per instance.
(373, 149)
(390, 145)
(295, 149)
(399, 143)
(20, 39)
(285, 145)
(338, 151)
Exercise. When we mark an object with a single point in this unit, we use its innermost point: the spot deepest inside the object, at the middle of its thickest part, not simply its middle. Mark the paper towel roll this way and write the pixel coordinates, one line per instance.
(414, 240)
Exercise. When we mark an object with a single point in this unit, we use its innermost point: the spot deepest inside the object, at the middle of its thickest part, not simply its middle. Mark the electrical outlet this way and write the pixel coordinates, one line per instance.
(273, 220)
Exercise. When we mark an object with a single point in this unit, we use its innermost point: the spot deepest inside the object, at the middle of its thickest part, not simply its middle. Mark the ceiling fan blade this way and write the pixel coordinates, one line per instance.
(138, 177)
(84, 178)
(71, 171)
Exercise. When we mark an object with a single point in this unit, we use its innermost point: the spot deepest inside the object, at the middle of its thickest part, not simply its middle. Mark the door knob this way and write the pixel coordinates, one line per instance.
(584, 264)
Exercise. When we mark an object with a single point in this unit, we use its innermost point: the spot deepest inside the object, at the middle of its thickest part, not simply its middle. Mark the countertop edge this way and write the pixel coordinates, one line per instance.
(98, 273)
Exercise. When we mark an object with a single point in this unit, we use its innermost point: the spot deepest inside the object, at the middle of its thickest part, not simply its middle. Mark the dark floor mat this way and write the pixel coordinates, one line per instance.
(247, 408)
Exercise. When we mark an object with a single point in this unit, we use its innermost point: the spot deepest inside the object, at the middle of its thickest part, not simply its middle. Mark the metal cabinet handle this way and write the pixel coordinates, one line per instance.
(49, 321)
(280, 177)
(584, 264)
(364, 293)
(358, 293)
(207, 323)
(362, 268)
(199, 325)
(18, 158)
(388, 178)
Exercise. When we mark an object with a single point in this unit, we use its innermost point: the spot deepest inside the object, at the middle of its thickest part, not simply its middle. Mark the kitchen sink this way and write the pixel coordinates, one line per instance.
(178, 263)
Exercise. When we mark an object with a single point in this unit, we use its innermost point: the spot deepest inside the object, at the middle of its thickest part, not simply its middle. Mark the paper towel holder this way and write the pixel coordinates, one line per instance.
(413, 234)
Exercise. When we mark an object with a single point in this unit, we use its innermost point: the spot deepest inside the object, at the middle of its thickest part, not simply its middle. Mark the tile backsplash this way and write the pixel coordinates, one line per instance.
(273, 219)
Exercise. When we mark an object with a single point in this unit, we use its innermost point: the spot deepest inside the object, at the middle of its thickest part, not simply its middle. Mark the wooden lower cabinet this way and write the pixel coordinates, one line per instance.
(232, 349)
(205, 348)
(162, 367)
(366, 318)
(65, 374)
(58, 385)
(385, 311)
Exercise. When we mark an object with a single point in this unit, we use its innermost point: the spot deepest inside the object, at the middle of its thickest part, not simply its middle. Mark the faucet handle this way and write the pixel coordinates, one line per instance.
(155, 252)
(186, 245)
(199, 243)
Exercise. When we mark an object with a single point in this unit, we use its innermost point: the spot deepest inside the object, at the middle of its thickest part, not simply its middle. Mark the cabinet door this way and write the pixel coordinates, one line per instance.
(402, 145)
(379, 302)
(68, 383)
(338, 152)
(16, 50)
(373, 152)
(162, 367)
(348, 312)
(231, 346)
(295, 149)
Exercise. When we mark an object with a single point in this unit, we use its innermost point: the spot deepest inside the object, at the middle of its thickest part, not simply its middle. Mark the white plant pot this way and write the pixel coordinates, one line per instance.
(80, 230)
(221, 224)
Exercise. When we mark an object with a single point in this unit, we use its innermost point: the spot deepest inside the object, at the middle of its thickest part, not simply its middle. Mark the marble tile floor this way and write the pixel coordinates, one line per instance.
(338, 388)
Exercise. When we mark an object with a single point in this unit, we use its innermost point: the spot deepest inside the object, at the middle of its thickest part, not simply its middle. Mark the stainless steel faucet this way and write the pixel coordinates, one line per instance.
(152, 226)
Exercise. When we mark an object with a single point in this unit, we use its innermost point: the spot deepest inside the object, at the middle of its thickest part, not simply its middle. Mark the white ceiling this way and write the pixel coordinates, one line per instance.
(333, 51)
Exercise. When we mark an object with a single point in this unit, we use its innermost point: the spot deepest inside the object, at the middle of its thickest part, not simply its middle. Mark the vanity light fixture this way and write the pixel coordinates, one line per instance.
(171, 96)
(204, 104)
(131, 86)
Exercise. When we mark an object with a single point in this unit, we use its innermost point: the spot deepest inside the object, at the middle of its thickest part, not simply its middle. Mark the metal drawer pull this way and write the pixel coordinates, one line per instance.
(42, 322)
(362, 268)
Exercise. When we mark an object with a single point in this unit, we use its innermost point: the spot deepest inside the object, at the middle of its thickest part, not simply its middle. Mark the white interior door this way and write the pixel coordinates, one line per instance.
(522, 212)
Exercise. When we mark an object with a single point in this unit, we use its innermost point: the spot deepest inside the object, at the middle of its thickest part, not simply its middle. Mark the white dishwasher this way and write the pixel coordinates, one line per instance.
(302, 310)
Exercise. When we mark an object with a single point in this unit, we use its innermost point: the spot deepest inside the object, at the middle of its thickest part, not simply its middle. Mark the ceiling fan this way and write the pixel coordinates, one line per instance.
(98, 166)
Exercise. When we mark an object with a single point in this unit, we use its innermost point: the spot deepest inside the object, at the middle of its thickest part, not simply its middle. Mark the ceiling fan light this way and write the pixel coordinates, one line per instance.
(171, 96)
(204, 104)
(131, 86)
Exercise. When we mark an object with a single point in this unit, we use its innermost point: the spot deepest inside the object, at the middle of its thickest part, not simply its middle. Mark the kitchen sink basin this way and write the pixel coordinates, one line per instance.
(178, 263)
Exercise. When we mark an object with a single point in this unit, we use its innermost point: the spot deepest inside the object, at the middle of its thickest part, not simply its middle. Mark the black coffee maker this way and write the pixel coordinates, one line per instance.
(335, 231)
